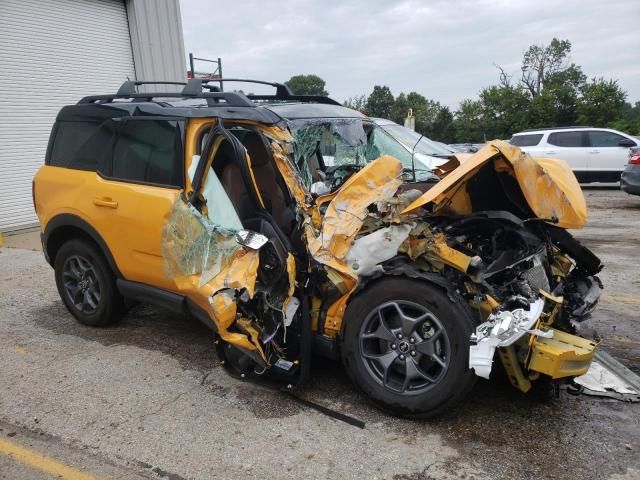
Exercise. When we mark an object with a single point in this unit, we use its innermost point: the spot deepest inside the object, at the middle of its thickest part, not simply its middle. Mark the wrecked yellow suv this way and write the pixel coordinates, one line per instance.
(291, 225)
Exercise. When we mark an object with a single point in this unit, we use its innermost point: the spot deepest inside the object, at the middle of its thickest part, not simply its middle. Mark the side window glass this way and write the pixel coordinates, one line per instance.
(526, 140)
(148, 151)
(82, 145)
(604, 139)
(566, 139)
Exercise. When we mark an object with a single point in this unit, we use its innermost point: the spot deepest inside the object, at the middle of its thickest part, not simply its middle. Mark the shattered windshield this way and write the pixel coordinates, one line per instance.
(321, 143)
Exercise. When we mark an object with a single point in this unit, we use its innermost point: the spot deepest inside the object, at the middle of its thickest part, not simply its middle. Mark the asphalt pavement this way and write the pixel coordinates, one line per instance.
(147, 398)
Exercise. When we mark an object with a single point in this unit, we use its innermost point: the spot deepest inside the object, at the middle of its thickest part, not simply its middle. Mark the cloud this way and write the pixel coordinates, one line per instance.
(445, 50)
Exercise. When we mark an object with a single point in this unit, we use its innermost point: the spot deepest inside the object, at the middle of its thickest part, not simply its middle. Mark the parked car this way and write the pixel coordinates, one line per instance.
(594, 154)
(630, 178)
(429, 153)
(202, 203)
(466, 147)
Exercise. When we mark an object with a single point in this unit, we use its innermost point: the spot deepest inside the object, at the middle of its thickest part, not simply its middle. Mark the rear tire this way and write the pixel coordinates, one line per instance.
(406, 345)
(86, 284)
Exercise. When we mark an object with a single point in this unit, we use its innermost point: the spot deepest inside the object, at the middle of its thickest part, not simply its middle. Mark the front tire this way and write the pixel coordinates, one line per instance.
(86, 284)
(406, 345)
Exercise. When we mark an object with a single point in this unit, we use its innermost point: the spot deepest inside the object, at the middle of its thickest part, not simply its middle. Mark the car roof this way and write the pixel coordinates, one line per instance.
(560, 129)
(384, 121)
(293, 111)
(195, 101)
(549, 129)
(86, 111)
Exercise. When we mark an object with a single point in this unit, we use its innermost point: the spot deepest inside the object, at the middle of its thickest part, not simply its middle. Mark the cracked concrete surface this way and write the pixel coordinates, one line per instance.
(147, 397)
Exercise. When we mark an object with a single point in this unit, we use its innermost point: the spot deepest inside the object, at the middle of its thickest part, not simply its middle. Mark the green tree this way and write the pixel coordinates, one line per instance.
(380, 102)
(359, 103)
(630, 121)
(468, 123)
(540, 62)
(431, 118)
(602, 102)
(400, 109)
(443, 129)
(307, 85)
(505, 110)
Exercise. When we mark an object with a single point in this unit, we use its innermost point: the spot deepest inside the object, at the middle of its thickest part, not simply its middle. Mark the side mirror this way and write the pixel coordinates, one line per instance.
(252, 240)
(626, 143)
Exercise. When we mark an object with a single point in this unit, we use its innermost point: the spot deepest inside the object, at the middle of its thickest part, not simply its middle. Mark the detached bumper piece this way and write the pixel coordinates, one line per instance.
(562, 355)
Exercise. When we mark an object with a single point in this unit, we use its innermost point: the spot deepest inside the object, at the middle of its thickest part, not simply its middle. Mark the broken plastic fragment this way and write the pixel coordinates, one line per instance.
(500, 330)
(369, 251)
(600, 379)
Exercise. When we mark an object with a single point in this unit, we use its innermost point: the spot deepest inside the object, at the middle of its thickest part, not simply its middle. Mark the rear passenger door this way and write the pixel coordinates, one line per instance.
(607, 158)
(571, 147)
(137, 186)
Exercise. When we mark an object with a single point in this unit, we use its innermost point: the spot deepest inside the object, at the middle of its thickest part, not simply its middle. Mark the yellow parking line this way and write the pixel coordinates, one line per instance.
(621, 298)
(42, 462)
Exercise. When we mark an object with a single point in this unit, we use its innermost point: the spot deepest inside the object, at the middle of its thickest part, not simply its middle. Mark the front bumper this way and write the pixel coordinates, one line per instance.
(563, 355)
(551, 352)
(630, 180)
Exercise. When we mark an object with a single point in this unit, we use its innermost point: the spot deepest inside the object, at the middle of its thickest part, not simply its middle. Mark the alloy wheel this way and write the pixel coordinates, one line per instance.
(81, 284)
(405, 347)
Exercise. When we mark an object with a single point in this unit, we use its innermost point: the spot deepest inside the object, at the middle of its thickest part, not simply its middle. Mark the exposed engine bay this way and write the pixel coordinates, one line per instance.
(490, 238)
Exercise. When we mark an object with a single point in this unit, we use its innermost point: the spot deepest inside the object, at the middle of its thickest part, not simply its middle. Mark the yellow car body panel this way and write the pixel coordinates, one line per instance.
(562, 355)
(549, 185)
(128, 216)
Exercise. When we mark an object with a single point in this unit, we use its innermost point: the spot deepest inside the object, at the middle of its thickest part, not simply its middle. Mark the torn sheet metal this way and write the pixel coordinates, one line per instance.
(501, 329)
(370, 250)
(342, 221)
(548, 185)
(600, 379)
(346, 213)
(282, 149)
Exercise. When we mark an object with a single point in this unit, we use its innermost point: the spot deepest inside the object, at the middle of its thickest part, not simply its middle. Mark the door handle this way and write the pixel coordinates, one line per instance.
(105, 202)
(551, 152)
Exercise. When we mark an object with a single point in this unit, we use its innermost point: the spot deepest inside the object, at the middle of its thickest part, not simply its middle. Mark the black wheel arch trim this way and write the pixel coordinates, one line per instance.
(69, 220)
(402, 267)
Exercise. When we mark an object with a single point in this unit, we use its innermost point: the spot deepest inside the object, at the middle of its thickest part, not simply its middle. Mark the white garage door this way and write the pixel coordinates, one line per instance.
(52, 53)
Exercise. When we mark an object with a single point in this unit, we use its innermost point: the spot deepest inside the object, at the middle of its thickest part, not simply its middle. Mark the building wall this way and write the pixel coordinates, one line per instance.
(156, 40)
(54, 52)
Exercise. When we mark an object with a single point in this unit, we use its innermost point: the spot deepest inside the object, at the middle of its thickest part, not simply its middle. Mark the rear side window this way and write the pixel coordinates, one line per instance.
(81, 145)
(148, 151)
(526, 140)
(605, 139)
(566, 139)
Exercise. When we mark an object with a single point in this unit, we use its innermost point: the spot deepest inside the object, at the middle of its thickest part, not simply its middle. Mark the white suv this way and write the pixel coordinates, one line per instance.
(594, 154)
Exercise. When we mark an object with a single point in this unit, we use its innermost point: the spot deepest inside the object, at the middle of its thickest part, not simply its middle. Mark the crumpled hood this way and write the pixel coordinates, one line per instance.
(548, 185)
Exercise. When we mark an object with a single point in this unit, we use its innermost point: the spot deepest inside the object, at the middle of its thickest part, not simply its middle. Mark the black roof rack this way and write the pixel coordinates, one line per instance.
(554, 128)
(194, 89)
(283, 92)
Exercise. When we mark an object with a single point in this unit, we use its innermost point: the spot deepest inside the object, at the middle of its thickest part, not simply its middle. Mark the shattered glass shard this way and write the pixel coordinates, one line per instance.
(192, 244)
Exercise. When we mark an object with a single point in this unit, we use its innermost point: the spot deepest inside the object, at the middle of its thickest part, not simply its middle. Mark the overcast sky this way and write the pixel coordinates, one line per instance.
(444, 50)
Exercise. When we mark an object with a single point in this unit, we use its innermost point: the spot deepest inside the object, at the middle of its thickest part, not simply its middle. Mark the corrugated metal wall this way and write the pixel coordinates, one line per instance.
(156, 40)
(52, 53)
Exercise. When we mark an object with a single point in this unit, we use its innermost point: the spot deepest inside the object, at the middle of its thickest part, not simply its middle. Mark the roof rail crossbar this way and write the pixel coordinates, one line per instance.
(232, 99)
(194, 89)
(129, 87)
(297, 98)
(283, 92)
(281, 88)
